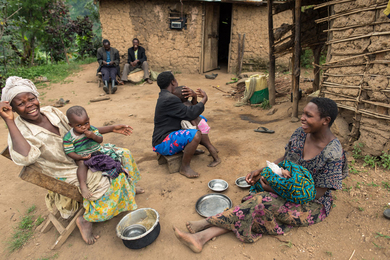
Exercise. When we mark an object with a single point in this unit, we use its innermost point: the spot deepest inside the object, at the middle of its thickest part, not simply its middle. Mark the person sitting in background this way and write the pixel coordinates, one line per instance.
(136, 58)
(108, 59)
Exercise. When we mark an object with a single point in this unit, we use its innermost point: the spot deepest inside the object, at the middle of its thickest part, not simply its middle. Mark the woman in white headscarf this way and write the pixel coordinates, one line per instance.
(35, 137)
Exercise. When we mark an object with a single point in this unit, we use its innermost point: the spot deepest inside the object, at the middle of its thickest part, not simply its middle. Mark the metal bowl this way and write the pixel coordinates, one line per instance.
(218, 185)
(212, 204)
(139, 228)
(241, 182)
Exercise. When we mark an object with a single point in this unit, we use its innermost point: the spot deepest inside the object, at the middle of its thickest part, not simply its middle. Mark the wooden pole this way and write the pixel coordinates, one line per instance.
(271, 80)
(316, 69)
(242, 53)
(238, 53)
(297, 62)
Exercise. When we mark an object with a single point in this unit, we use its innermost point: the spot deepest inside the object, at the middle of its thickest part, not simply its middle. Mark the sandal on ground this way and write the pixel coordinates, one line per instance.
(262, 129)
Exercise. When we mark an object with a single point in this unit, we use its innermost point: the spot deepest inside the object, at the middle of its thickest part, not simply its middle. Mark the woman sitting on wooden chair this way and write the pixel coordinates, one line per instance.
(35, 137)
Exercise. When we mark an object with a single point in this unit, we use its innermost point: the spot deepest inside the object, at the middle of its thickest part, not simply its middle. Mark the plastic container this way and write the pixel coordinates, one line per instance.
(261, 89)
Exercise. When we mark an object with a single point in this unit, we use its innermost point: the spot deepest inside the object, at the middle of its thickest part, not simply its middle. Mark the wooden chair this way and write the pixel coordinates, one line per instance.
(35, 176)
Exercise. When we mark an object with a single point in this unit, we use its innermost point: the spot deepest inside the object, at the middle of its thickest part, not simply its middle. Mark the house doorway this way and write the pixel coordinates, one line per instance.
(216, 36)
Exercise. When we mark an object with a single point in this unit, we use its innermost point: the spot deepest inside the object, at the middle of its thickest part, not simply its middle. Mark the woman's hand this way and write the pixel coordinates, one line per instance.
(123, 129)
(187, 92)
(253, 177)
(265, 185)
(6, 111)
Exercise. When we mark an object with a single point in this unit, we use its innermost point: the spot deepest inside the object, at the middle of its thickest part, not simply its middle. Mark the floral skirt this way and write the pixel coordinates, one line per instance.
(119, 197)
(267, 213)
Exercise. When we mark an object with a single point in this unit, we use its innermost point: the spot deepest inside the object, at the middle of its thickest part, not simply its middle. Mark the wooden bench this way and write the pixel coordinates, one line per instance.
(173, 161)
(35, 176)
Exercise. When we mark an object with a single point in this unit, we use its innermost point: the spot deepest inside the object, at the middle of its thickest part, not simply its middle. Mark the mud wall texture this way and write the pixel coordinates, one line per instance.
(357, 74)
(253, 21)
(166, 49)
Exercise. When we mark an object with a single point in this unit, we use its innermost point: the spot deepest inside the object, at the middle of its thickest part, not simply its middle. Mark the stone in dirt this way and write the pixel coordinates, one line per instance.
(102, 98)
(272, 111)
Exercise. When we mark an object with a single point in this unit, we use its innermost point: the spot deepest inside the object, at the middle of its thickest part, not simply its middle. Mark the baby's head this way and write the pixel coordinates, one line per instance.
(78, 119)
(178, 92)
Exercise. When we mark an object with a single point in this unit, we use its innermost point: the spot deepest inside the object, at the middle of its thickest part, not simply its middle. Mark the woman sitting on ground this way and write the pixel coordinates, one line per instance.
(35, 137)
(312, 146)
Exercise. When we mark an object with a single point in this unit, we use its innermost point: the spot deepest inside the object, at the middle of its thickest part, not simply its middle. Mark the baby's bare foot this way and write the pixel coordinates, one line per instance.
(85, 192)
(139, 190)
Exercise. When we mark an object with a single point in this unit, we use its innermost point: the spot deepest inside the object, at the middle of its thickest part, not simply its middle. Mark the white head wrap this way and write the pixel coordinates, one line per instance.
(16, 85)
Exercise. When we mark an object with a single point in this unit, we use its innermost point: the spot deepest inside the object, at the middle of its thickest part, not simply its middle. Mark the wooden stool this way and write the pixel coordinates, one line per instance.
(173, 161)
(35, 176)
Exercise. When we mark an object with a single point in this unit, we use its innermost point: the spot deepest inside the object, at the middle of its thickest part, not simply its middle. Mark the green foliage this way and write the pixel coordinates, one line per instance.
(39, 221)
(357, 151)
(352, 168)
(378, 234)
(386, 185)
(265, 104)
(385, 160)
(360, 208)
(307, 59)
(329, 253)
(31, 209)
(371, 161)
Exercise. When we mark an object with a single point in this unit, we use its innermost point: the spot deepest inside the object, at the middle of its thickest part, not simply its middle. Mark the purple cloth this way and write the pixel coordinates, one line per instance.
(105, 164)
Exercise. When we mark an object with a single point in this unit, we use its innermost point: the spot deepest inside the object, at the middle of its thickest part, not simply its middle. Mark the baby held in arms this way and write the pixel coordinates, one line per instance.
(83, 144)
(289, 180)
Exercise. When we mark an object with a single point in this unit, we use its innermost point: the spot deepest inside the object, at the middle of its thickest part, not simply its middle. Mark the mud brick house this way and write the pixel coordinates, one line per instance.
(208, 40)
(357, 72)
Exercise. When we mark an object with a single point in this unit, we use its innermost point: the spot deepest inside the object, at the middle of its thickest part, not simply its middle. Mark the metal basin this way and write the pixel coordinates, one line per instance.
(241, 182)
(139, 228)
(218, 185)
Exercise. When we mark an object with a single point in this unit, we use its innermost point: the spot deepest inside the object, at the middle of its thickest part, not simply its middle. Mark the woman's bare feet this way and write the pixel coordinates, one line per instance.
(196, 226)
(188, 172)
(214, 163)
(139, 190)
(85, 192)
(85, 228)
(189, 240)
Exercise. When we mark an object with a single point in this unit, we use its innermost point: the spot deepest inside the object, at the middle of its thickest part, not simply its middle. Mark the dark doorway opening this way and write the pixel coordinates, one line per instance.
(225, 25)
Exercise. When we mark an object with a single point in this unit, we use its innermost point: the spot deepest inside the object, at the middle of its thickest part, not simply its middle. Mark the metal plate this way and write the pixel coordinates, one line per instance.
(241, 182)
(212, 204)
(218, 185)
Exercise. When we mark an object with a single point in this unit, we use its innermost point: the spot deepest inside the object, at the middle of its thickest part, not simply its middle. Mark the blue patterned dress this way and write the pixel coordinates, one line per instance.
(267, 213)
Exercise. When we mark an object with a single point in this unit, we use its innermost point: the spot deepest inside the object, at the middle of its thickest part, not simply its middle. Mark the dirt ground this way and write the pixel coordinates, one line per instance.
(351, 227)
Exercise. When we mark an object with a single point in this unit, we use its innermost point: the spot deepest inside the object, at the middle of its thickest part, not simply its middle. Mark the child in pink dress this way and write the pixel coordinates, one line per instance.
(199, 123)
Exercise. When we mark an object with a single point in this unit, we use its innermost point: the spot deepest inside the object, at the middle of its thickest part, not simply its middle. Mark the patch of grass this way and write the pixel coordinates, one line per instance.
(357, 151)
(386, 185)
(329, 253)
(372, 184)
(377, 246)
(385, 160)
(53, 72)
(31, 209)
(360, 208)
(371, 161)
(265, 104)
(24, 230)
(357, 185)
(39, 221)
(345, 188)
(378, 234)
